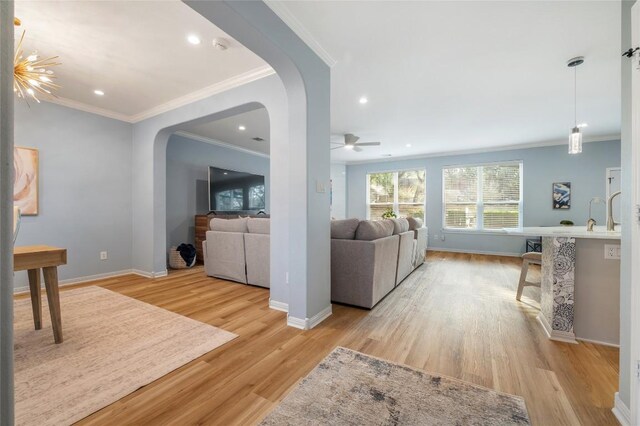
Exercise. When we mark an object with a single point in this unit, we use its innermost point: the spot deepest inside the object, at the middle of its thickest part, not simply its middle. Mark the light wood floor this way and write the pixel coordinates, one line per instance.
(456, 315)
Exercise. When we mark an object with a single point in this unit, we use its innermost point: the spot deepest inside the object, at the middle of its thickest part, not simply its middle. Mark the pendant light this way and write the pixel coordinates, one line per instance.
(575, 138)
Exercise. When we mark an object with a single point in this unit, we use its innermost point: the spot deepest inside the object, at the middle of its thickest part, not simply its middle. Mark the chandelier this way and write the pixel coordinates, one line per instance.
(31, 75)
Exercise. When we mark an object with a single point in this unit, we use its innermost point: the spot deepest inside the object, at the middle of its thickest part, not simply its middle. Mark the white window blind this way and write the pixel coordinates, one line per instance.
(403, 192)
(482, 197)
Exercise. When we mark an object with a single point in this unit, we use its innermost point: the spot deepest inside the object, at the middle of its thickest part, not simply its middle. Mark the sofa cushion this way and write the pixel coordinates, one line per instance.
(344, 229)
(414, 223)
(258, 225)
(400, 225)
(228, 225)
(369, 230)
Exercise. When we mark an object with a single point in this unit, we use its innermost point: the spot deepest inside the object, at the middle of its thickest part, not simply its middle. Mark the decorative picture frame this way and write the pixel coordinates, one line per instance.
(561, 195)
(25, 182)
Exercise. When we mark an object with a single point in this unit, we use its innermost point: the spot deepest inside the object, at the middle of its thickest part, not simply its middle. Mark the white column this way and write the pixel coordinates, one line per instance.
(6, 213)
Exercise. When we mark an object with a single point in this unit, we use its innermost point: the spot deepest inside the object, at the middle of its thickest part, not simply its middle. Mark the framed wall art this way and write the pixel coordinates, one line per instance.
(562, 195)
(25, 180)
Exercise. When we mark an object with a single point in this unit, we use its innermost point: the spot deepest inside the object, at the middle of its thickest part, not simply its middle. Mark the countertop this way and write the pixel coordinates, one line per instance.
(599, 232)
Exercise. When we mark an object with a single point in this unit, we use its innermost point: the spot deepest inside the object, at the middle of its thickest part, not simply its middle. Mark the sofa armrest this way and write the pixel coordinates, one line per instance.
(363, 272)
(225, 256)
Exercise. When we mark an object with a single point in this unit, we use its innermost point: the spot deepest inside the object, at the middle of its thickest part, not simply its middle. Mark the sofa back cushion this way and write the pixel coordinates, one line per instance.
(369, 230)
(414, 223)
(400, 225)
(258, 225)
(229, 225)
(344, 229)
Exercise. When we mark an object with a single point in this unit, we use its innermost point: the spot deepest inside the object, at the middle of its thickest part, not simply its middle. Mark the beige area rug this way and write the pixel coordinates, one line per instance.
(350, 388)
(113, 345)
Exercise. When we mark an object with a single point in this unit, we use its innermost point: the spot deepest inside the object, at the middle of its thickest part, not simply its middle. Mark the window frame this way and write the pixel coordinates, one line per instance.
(480, 204)
(395, 205)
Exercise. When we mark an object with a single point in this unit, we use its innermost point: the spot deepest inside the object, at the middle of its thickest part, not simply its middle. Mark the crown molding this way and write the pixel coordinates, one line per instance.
(284, 13)
(80, 106)
(219, 143)
(230, 83)
(214, 89)
(542, 144)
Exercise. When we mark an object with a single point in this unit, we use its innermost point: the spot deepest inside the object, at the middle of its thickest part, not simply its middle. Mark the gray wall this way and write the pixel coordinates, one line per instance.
(187, 192)
(542, 166)
(85, 187)
(626, 217)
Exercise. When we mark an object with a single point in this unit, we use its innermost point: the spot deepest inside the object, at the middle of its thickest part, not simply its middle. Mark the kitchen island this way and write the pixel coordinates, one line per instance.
(580, 289)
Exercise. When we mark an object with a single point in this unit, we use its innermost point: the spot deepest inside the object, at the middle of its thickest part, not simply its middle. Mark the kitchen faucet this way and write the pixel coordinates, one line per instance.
(611, 224)
(591, 222)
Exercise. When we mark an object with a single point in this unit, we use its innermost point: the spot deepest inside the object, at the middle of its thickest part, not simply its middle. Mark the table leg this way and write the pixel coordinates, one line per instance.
(36, 297)
(53, 296)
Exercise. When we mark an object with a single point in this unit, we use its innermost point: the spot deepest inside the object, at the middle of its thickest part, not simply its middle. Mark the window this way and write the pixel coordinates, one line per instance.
(403, 192)
(483, 197)
(231, 199)
(256, 197)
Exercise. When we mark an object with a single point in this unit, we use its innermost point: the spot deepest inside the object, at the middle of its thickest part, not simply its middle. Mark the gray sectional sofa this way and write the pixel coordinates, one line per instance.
(238, 250)
(371, 258)
(368, 258)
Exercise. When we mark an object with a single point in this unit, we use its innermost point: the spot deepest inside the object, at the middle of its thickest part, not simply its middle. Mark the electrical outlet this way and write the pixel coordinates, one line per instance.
(442, 237)
(103, 255)
(612, 251)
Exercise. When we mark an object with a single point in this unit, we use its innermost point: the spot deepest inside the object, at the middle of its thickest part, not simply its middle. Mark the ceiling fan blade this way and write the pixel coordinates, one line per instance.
(350, 138)
(368, 144)
(337, 147)
(357, 149)
(337, 143)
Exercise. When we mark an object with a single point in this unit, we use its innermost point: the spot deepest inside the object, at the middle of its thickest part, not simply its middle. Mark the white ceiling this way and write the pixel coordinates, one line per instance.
(441, 76)
(448, 76)
(135, 51)
(255, 122)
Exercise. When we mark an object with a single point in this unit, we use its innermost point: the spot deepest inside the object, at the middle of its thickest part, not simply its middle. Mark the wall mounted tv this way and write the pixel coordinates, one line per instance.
(231, 191)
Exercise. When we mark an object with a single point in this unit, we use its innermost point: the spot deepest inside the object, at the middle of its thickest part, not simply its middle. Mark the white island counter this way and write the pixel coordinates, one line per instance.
(580, 290)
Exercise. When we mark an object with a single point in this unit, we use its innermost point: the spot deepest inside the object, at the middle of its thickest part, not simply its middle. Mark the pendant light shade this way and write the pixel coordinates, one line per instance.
(575, 138)
(575, 141)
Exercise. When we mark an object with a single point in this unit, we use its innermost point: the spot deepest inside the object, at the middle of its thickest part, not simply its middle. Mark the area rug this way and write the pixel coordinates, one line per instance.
(350, 388)
(113, 345)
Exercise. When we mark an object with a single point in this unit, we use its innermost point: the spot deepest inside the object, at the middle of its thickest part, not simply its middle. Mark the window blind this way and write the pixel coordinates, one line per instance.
(482, 197)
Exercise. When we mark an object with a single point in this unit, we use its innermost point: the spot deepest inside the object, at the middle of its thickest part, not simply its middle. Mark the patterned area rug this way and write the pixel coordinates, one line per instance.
(113, 345)
(350, 388)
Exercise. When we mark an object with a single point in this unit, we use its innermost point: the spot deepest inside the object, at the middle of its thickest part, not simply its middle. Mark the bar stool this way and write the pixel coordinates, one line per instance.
(528, 259)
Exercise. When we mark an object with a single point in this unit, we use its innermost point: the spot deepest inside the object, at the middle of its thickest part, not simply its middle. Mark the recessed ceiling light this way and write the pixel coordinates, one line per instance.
(242, 128)
(193, 39)
(581, 125)
(363, 100)
(408, 145)
(225, 173)
(98, 92)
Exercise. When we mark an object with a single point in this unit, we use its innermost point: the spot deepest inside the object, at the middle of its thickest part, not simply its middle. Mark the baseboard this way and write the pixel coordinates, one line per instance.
(78, 280)
(560, 336)
(150, 274)
(278, 306)
(621, 411)
(309, 323)
(597, 342)
(488, 253)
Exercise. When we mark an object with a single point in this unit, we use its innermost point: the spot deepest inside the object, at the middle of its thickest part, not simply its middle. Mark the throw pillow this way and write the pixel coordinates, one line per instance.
(344, 229)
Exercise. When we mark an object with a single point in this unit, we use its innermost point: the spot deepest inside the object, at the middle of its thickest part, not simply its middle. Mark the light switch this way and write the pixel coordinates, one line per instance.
(320, 188)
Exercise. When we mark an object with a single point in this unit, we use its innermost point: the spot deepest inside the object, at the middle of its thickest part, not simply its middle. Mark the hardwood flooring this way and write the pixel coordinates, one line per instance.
(456, 315)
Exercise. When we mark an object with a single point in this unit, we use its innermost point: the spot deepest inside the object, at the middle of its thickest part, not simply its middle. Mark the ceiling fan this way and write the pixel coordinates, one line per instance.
(351, 142)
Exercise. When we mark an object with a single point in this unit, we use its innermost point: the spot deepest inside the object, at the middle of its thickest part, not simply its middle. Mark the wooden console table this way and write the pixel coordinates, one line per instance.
(32, 259)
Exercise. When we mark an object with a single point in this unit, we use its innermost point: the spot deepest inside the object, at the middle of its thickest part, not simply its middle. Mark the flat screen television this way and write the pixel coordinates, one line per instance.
(232, 191)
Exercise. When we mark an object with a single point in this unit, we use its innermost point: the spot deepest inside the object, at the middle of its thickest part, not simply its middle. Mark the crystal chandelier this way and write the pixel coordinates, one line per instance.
(31, 75)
